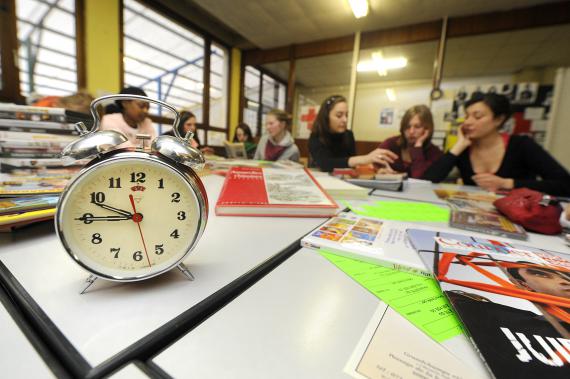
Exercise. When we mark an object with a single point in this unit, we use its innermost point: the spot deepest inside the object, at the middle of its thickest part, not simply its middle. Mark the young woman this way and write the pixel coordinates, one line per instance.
(187, 123)
(243, 134)
(277, 143)
(132, 118)
(413, 146)
(496, 161)
(332, 145)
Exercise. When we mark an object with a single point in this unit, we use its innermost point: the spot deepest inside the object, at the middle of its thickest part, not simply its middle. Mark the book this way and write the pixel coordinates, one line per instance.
(26, 204)
(366, 239)
(254, 191)
(513, 299)
(340, 189)
(235, 150)
(32, 186)
(475, 211)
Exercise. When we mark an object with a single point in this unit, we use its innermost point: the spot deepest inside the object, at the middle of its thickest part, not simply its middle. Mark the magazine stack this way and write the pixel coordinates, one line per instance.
(31, 171)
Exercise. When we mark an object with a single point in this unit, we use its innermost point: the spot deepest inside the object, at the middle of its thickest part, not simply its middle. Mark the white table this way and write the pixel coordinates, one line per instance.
(18, 358)
(112, 316)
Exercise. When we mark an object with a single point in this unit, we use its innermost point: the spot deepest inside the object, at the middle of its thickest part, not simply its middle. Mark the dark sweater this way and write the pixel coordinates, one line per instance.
(334, 156)
(422, 157)
(524, 161)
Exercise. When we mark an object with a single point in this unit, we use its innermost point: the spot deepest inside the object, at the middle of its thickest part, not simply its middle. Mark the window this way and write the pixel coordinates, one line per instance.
(167, 61)
(261, 94)
(47, 47)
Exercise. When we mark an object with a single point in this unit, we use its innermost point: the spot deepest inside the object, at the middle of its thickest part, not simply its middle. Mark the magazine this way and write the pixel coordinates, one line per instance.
(26, 204)
(514, 300)
(475, 211)
(366, 239)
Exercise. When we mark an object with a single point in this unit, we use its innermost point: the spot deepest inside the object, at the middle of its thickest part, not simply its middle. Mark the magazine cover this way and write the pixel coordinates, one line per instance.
(366, 239)
(514, 300)
(475, 211)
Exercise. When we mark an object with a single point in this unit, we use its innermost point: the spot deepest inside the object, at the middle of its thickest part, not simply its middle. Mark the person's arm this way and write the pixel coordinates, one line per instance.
(555, 180)
(422, 160)
(439, 170)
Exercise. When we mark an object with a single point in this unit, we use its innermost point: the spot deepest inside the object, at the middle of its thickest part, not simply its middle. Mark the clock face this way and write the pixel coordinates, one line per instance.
(130, 218)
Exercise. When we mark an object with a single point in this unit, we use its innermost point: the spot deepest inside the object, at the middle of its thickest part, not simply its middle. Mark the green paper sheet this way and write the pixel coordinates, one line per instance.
(401, 211)
(418, 299)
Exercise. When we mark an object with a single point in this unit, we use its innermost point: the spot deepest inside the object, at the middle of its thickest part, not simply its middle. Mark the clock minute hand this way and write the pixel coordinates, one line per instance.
(116, 210)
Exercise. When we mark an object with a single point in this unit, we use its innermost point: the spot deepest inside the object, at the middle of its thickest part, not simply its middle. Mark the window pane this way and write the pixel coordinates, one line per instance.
(163, 58)
(218, 86)
(47, 59)
(216, 138)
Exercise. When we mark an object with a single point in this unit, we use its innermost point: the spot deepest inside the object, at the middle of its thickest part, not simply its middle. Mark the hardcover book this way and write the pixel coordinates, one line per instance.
(254, 191)
(514, 300)
(366, 239)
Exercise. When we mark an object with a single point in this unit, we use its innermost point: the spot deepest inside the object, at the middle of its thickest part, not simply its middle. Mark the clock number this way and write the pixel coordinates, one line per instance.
(181, 215)
(175, 197)
(161, 183)
(138, 177)
(158, 249)
(175, 234)
(116, 251)
(97, 197)
(114, 182)
(137, 256)
(96, 239)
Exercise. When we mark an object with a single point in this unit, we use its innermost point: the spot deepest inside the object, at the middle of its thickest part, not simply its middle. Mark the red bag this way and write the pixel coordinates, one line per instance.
(531, 209)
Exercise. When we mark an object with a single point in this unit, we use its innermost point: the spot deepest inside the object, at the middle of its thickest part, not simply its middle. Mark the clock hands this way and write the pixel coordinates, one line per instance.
(137, 218)
(116, 210)
(88, 218)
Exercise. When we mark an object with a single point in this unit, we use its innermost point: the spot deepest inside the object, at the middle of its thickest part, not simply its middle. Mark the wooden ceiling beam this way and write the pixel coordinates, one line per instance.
(532, 17)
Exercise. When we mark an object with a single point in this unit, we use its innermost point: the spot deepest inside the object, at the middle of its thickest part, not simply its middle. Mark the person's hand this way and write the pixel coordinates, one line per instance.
(207, 150)
(386, 170)
(567, 211)
(381, 157)
(422, 138)
(493, 183)
(463, 142)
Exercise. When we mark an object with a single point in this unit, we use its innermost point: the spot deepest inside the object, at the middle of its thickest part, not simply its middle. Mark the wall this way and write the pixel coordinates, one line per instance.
(558, 129)
(102, 47)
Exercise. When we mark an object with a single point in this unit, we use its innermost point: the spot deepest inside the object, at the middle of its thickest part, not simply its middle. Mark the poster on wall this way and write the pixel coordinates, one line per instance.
(387, 117)
(526, 93)
(307, 116)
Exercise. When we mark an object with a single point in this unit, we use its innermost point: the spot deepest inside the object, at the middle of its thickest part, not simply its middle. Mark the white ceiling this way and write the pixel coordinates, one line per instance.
(273, 23)
(484, 55)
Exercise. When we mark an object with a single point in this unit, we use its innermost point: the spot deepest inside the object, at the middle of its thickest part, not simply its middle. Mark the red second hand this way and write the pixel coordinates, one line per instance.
(137, 219)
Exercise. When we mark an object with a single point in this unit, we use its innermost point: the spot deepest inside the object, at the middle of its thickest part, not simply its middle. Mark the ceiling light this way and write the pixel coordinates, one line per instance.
(359, 7)
(391, 94)
(381, 64)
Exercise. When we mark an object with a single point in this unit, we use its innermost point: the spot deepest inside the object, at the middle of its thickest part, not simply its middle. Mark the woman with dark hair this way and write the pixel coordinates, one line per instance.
(132, 118)
(496, 161)
(332, 145)
(413, 146)
(243, 134)
(277, 143)
(187, 123)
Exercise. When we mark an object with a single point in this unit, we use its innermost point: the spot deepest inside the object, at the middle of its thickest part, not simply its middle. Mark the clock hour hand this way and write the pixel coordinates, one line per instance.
(88, 218)
(116, 210)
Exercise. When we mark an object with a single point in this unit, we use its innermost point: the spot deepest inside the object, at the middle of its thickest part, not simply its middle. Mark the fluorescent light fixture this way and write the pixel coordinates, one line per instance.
(359, 7)
(391, 94)
(381, 64)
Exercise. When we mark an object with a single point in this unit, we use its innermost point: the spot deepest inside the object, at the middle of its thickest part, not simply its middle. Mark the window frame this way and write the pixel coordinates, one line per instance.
(208, 40)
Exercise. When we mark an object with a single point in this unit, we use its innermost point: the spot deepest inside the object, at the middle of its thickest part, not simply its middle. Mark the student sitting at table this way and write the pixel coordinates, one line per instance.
(495, 161)
(187, 123)
(243, 134)
(413, 146)
(277, 143)
(132, 118)
(332, 145)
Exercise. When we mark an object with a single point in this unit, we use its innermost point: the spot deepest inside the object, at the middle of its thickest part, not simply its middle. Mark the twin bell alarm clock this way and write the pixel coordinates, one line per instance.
(131, 213)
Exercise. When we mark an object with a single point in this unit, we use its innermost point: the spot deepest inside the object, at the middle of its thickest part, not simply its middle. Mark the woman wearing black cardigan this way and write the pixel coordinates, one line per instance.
(496, 161)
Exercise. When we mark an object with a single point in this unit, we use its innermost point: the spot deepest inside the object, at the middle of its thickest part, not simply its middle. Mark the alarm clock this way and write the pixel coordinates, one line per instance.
(131, 213)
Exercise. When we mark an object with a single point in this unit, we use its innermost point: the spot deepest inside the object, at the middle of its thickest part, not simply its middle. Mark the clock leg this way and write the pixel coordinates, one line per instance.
(182, 267)
(90, 280)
